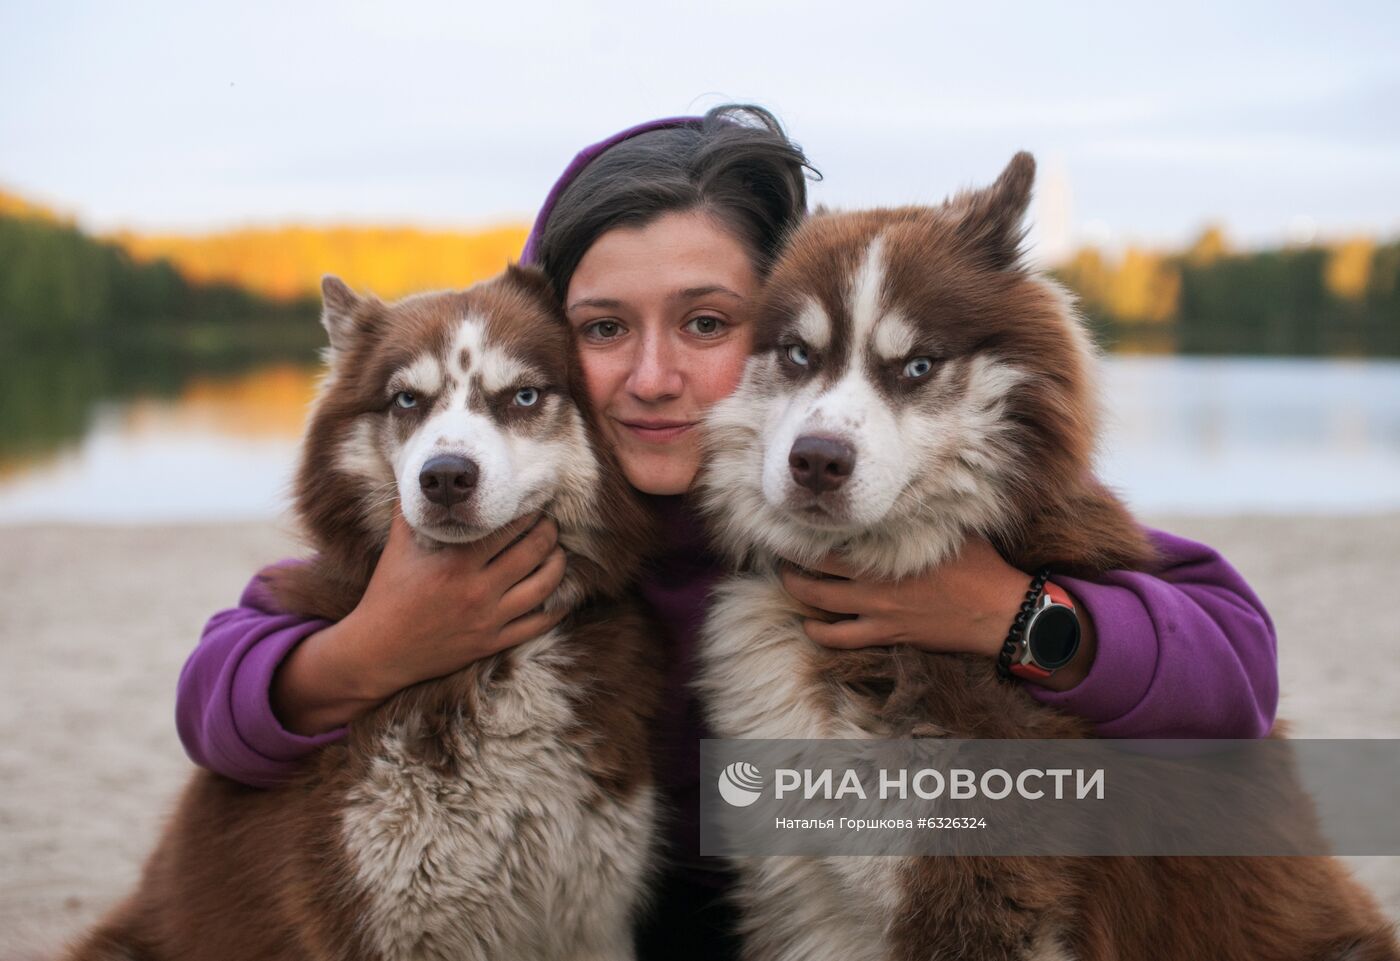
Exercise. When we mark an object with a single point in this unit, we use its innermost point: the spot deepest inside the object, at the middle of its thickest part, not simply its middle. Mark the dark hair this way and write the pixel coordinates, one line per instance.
(736, 163)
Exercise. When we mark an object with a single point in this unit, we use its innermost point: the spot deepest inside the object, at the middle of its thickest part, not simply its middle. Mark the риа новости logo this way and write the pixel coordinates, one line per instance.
(740, 784)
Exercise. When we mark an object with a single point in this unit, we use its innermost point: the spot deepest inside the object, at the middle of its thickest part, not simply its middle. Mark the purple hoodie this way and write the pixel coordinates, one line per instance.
(1187, 653)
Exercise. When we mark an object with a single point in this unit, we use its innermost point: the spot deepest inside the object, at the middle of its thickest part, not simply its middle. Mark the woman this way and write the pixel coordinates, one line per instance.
(656, 241)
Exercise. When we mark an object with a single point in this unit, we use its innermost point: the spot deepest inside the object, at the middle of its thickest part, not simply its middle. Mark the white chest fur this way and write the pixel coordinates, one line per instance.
(759, 673)
(760, 677)
(502, 858)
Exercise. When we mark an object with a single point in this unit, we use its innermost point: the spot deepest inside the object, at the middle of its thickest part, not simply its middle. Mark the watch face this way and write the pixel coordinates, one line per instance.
(1054, 637)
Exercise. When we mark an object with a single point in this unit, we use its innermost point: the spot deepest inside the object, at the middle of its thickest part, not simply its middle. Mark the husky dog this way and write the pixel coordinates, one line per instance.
(506, 811)
(914, 383)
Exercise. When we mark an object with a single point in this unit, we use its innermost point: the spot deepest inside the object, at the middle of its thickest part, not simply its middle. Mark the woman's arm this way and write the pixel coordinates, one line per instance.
(223, 711)
(1189, 652)
(263, 689)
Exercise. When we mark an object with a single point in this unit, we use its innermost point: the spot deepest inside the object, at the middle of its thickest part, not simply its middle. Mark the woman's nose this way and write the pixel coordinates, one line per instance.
(657, 373)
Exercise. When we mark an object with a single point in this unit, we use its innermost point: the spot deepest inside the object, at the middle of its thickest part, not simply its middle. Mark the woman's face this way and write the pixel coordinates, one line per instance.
(661, 317)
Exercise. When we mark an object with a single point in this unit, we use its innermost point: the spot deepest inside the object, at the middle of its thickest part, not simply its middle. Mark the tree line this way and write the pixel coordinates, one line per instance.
(261, 286)
(56, 282)
(1310, 300)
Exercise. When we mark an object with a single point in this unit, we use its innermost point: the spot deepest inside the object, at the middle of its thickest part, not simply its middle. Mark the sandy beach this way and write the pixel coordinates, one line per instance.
(96, 622)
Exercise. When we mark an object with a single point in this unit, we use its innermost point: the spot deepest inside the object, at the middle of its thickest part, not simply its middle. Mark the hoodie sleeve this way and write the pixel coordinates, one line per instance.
(1190, 652)
(223, 708)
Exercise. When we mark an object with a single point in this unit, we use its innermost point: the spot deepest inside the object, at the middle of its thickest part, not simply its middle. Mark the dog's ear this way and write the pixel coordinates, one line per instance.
(536, 282)
(990, 220)
(342, 312)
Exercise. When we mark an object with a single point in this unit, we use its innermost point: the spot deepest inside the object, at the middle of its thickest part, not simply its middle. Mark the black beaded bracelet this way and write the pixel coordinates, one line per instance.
(1018, 626)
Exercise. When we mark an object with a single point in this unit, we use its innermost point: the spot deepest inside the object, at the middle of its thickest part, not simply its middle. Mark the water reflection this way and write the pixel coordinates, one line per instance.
(46, 402)
(1238, 434)
(270, 402)
(49, 397)
(151, 432)
(87, 437)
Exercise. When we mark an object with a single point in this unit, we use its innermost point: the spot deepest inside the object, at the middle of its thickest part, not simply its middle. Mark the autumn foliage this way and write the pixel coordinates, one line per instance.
(288, 262)
(1210, 298)
(57, 281)
(13, 205)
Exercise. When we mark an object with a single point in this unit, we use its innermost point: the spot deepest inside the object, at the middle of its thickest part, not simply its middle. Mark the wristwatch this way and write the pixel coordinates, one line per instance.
(1051, 636)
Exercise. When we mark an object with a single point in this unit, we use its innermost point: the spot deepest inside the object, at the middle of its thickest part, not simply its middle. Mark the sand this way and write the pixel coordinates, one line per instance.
(96, 622)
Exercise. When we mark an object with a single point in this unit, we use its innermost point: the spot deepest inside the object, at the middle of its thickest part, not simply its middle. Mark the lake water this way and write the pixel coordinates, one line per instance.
(1200, 435)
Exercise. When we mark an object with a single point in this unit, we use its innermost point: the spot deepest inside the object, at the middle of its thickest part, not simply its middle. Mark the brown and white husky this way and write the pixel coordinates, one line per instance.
(915, 383)
(506, 811)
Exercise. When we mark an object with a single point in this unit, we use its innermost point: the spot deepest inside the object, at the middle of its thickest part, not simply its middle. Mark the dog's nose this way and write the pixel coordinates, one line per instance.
(821, 463)
(447, 479)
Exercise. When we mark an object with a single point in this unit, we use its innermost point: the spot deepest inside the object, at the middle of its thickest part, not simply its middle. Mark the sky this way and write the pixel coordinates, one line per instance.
(1150, 120)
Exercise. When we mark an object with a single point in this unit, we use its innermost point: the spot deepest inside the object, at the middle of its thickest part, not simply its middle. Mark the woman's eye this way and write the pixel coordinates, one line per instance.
(706, 326)
(797, 354)
(527, 397)
(405, 400)
(603, 329)
(918, 367)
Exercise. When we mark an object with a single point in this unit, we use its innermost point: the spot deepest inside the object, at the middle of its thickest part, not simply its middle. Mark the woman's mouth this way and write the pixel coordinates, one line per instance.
(656, 431)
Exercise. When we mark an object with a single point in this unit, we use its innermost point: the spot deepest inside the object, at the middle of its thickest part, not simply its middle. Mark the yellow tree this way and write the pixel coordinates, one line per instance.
(1347, 272)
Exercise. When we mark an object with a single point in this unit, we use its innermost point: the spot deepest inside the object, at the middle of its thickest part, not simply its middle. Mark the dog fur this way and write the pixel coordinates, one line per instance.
(506, 811)
(962, 383)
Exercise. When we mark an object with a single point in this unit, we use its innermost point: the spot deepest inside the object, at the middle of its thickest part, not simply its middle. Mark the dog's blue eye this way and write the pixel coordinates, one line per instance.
(798, 355)
(527, 396)
(405, 399)
(918, 367)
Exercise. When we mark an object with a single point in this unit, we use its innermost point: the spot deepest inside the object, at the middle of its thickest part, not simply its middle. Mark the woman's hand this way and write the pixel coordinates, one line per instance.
(426, 613)
(965, 605)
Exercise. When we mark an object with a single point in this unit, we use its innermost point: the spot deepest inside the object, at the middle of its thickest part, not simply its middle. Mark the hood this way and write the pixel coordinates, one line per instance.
(584, 157)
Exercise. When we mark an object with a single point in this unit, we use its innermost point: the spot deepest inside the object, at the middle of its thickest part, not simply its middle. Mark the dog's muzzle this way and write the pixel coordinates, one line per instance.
(821, 464)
